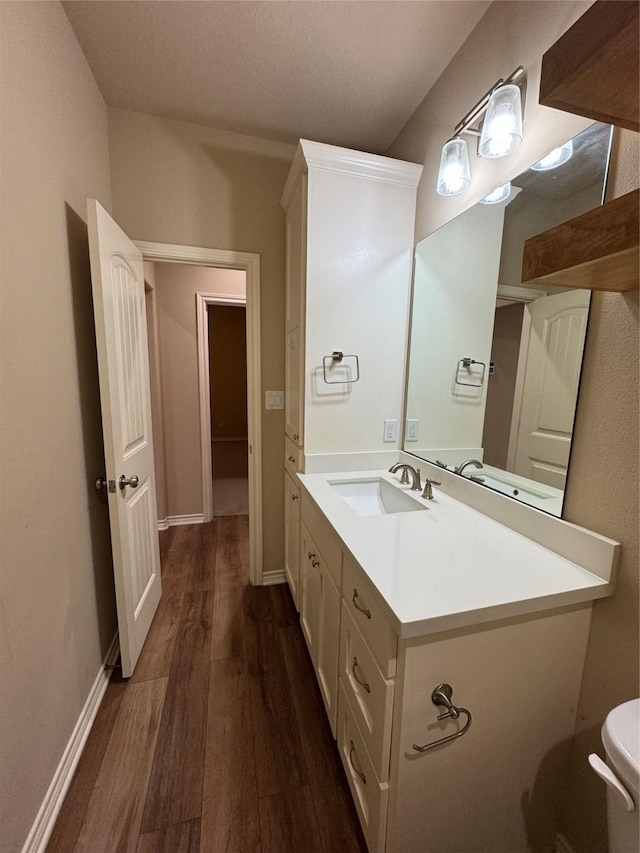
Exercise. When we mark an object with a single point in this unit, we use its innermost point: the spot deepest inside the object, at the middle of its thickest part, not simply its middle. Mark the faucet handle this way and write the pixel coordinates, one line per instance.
(428, 490)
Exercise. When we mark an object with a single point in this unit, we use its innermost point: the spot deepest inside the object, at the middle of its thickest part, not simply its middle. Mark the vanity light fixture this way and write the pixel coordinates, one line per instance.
(499, 194)
(554, 158)
(501, 133)
(454, 174)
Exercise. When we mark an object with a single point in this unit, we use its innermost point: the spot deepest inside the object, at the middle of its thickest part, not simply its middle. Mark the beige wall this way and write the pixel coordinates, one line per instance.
(602, 491)
(57, 615)
(228, 371)
(180, 183)
(176, 288)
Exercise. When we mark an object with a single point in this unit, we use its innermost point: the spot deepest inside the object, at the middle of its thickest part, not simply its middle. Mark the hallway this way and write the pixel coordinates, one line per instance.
(219, 740)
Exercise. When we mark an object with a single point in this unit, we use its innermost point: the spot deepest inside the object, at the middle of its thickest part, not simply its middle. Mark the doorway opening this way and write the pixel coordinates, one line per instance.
(208, 329)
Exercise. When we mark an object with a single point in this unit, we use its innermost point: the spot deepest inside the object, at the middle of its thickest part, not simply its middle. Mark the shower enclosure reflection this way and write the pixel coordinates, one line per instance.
(494, 367)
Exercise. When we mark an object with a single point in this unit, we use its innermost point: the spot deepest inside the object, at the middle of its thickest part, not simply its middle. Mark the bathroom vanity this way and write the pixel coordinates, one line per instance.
(448, 636)
(396, 603)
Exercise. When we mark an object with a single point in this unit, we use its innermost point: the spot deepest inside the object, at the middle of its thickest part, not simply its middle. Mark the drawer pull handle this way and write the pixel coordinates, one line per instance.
(355, 675)
(294, 497)
(442, 696)
(353, 767)
(364, 610)
(291, 459)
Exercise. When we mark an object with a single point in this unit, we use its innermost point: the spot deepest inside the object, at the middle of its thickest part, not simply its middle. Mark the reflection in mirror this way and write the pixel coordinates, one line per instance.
(494, 366)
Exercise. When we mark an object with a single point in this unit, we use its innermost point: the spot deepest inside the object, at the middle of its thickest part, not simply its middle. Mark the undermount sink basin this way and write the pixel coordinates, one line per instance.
(375, 496)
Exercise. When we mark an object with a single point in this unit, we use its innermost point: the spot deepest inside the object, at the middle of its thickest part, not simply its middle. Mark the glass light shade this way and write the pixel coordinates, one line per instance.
(454, 175)
(502, 128)
(499, 194)
(555, 158)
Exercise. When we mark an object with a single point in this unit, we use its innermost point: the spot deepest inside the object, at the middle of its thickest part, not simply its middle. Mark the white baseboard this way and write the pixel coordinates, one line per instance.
(177, 520)
(270, 578)
(50, 809)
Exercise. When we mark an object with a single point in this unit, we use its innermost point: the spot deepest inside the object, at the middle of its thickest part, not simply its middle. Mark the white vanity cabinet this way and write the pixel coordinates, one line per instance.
(320, 572)
(349, 251)
(514, 667)
(349, 254)
(496, 787)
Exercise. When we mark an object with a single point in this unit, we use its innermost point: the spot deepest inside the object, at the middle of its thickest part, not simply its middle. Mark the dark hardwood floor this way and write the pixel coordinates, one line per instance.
(219, 741)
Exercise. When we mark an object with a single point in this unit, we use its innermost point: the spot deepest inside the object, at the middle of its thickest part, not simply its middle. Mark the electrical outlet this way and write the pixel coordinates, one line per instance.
(390, 430)
(412, 429)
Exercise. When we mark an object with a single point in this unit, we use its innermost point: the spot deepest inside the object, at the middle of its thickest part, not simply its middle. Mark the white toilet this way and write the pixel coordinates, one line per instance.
(621, 739)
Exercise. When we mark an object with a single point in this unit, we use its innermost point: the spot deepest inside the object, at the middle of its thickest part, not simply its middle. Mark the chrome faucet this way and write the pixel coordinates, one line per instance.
(416, 485)
(461, 468)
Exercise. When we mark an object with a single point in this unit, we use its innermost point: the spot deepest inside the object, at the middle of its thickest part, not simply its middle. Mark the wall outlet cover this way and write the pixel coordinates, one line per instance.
(412, 430)
(390, 430)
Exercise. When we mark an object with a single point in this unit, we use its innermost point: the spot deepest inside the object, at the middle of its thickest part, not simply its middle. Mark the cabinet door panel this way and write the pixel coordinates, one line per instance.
(328, 641)
(292, 536)
(309, 583)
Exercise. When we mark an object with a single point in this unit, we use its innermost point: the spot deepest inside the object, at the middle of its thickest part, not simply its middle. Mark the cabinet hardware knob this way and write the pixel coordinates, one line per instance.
(364, 610)
(355, 770)
(295, 436)
(291, 459)
(311, 555)
(355, 675)
(315, 563)
(294, 497)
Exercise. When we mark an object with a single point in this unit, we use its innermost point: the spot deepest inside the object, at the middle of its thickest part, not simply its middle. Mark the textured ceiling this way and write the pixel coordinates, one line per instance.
(346, 72)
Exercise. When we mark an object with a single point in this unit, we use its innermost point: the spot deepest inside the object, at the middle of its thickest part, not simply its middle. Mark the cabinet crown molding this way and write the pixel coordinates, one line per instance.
(317, 155)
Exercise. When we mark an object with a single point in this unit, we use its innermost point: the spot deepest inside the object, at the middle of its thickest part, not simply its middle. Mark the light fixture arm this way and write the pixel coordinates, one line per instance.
(478, 110)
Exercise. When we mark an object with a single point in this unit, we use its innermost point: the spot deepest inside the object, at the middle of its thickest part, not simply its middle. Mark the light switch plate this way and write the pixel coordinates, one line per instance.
(274, 399)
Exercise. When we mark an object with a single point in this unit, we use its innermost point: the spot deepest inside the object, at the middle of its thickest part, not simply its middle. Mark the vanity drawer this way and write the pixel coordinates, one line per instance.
(322, 533)
(369, 617)
(369, 795)
(370, 695)
(292, 457)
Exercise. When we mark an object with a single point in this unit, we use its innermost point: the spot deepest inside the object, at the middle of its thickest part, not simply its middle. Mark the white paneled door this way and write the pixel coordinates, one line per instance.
(552, 374)
(123, 367)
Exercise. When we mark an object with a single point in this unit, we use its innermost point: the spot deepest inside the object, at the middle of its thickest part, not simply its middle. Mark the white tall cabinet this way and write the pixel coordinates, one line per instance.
(349, 248)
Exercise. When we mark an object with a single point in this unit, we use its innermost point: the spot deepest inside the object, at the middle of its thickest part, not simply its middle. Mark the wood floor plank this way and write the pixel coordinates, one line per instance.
(284, 610)
(157, 652)
(69, 823)
(178, 564)
(243, 544)
(175, 786)
(337, 819)
(114, 813)
(280, 762)
(230, 817)
(288, 823)
(180, 838)
(227, 639)
(165, 539)
(203, 571)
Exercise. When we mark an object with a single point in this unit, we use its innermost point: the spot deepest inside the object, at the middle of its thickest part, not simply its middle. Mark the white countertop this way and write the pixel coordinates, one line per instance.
(449, 566)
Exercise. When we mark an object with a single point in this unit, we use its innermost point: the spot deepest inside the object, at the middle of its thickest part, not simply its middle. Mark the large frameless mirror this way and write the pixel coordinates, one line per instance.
(494, 366)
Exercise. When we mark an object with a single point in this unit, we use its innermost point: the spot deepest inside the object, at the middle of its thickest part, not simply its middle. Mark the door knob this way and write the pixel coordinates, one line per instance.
(132, 481)
(100, 483)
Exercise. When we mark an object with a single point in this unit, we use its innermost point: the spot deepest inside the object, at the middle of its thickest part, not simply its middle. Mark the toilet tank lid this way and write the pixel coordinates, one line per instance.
(621, 739)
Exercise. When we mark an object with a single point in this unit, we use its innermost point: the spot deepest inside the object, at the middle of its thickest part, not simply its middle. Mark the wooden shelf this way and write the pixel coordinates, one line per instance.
(597, 250)
(592, 70)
